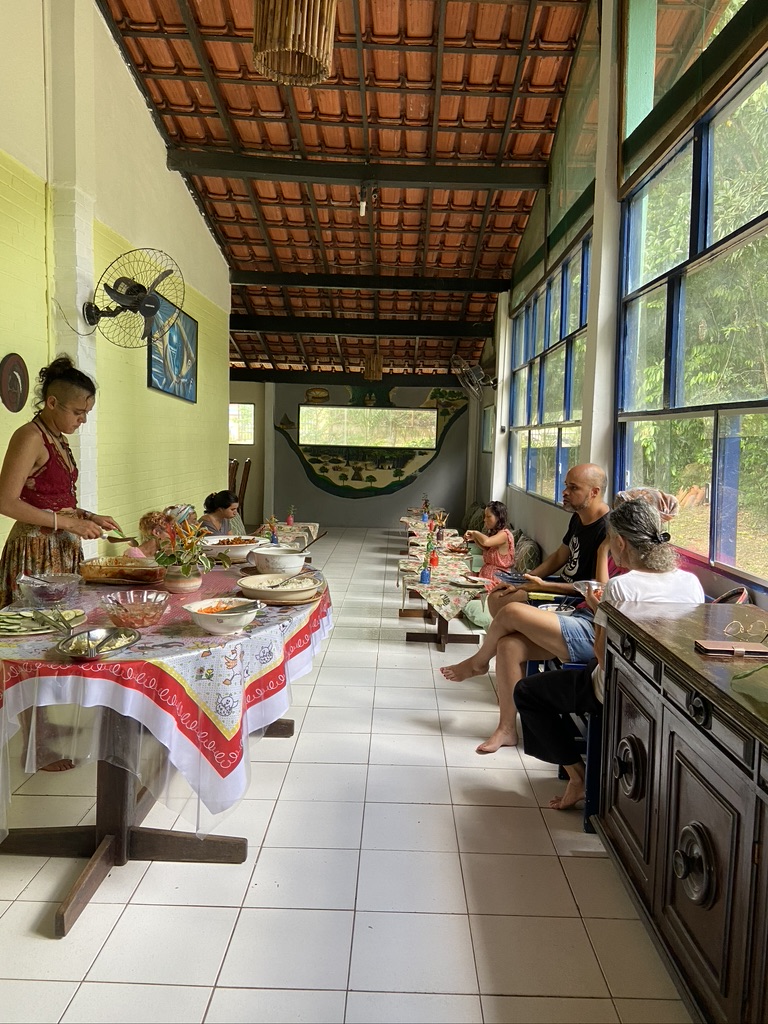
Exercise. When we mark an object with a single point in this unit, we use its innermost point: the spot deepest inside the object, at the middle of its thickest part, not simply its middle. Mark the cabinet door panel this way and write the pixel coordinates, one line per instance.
(631, 777)
(704, 868)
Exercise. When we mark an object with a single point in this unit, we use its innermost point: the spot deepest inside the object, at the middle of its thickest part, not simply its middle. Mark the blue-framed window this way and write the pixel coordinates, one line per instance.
(547, 370)
(693, 380)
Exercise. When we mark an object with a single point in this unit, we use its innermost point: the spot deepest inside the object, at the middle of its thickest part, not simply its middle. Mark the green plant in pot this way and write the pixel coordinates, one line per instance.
(186, 557)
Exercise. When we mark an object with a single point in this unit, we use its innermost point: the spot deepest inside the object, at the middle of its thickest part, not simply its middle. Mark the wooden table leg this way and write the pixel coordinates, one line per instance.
(441, 636)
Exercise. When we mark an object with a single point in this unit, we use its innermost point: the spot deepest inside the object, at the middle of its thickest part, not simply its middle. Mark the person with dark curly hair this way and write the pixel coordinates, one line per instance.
(496, 541)
(218, 511)
(38, 482)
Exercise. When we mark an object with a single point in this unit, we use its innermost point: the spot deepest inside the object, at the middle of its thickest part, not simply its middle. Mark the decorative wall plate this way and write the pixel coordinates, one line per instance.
(14, 382)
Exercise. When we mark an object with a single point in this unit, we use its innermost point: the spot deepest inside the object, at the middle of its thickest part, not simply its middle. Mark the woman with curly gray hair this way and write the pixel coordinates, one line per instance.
(640, 545)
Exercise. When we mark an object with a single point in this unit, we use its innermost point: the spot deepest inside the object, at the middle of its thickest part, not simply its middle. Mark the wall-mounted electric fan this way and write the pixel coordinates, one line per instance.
(138, 298)
(472, 378)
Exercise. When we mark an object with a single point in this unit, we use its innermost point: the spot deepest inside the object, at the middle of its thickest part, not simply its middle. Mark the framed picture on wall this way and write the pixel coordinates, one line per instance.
(172, 359)
(487, 430)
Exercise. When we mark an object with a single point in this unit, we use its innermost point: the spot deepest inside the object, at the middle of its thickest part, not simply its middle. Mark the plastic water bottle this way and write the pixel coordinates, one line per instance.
(425, 575)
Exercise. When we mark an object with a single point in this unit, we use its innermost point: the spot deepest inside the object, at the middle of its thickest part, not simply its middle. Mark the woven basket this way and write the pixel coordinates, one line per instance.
(293, 40)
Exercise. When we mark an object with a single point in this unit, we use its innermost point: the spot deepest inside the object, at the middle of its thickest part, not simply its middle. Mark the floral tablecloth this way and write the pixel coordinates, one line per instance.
(303, 532)
(199, 695)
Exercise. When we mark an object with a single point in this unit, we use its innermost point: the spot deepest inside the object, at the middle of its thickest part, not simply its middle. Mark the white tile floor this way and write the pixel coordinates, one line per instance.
(393, 874)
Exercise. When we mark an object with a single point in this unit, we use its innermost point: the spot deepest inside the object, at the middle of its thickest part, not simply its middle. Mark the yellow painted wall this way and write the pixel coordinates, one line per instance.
(154, 450)
(24, 321)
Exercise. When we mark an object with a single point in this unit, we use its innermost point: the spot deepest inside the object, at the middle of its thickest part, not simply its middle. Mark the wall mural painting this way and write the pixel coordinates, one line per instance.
(349, 471)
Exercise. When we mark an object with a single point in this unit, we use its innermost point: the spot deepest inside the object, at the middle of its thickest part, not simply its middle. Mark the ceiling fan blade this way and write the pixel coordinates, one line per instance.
(159, 279)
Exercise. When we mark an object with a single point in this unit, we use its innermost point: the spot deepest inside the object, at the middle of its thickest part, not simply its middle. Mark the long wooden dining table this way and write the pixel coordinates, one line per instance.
(168, 719)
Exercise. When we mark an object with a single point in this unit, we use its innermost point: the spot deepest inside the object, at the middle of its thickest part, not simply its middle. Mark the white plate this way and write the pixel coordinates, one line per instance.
(465, 581)
(23, 623)
(558, 609)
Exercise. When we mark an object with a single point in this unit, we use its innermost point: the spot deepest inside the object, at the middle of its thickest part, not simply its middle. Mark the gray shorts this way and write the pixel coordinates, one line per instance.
(578, 632)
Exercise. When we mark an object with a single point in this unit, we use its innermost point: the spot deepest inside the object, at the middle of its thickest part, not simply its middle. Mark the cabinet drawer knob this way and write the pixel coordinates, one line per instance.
(693, 863)
(698, 709)
(629, 767)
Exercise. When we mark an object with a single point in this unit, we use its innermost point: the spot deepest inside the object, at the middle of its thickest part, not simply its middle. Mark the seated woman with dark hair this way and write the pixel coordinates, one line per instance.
(497, 542)
(545, 699)
(219, 508)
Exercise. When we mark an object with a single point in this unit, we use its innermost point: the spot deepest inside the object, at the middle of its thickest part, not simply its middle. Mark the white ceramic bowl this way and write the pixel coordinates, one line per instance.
(261, 587)
(236, 552)
(276, 558)
(221, 624)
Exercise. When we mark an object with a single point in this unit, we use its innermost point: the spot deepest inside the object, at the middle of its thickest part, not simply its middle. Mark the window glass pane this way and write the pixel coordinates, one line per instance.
(725, 328)
(573, 312)
(740, 162)
(241, 424)
(534, 417)
(555, 288)
(743, 493)
(518, 338)
(541, 312)
(577, 376)
(554, 386)
(570, 446)
(659, 221)
(518, 458)
(676, 456)
(644, 351)
(542, 459)
(519, 397)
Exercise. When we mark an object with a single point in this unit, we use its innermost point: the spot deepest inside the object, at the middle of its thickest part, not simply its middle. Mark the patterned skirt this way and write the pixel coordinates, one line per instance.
(35, 550)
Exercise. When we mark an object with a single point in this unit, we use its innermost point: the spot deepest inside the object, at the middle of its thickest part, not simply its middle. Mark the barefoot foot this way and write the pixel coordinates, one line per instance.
(574, 792)
(501, 738)
(464, 670)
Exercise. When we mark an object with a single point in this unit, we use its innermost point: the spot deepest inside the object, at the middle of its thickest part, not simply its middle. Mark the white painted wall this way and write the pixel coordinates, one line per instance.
(22, 86)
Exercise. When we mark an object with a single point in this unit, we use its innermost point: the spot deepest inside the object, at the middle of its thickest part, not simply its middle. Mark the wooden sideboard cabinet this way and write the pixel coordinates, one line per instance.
(684, 803)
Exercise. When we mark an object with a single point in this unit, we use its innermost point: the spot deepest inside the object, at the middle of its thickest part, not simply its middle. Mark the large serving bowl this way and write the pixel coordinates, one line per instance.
(280, 587)
(220, 625)
(135, 608)
(276, 558)
(48, 588)
(236, 547)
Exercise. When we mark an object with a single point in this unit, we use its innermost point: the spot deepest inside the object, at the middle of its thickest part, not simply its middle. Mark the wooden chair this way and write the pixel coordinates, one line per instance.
(233, 464)
(243, 484)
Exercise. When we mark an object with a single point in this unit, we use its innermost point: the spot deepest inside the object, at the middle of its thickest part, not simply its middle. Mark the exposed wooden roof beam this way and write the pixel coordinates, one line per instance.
(465, 177)
(349, 327)
(369, 282)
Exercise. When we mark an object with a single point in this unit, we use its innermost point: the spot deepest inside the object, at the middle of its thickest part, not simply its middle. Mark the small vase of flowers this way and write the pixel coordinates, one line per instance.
(289, 517)
(186, 557)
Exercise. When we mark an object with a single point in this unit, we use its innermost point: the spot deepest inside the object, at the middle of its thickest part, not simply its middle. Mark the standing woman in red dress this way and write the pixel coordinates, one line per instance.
(38, 482)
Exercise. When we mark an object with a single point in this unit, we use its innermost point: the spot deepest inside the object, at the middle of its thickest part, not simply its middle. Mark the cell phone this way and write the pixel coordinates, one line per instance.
(730, 649)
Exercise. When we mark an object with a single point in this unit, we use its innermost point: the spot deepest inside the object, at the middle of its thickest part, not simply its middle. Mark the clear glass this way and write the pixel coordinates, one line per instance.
(535, 367)
(520, 397)
(518, 442)
(577, 375)
(555, 292)
(241, 423)
(740, 161)
(554, 386)
(724, 345)
(573, 312)
(541, 323)
(542, 460)
(570, 449)
(518, 339)
(643, 369)
(660, 221)
(675, 455)
(742, 525)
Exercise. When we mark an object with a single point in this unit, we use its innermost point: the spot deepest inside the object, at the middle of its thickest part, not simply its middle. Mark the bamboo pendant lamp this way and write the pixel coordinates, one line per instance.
(293, 40)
